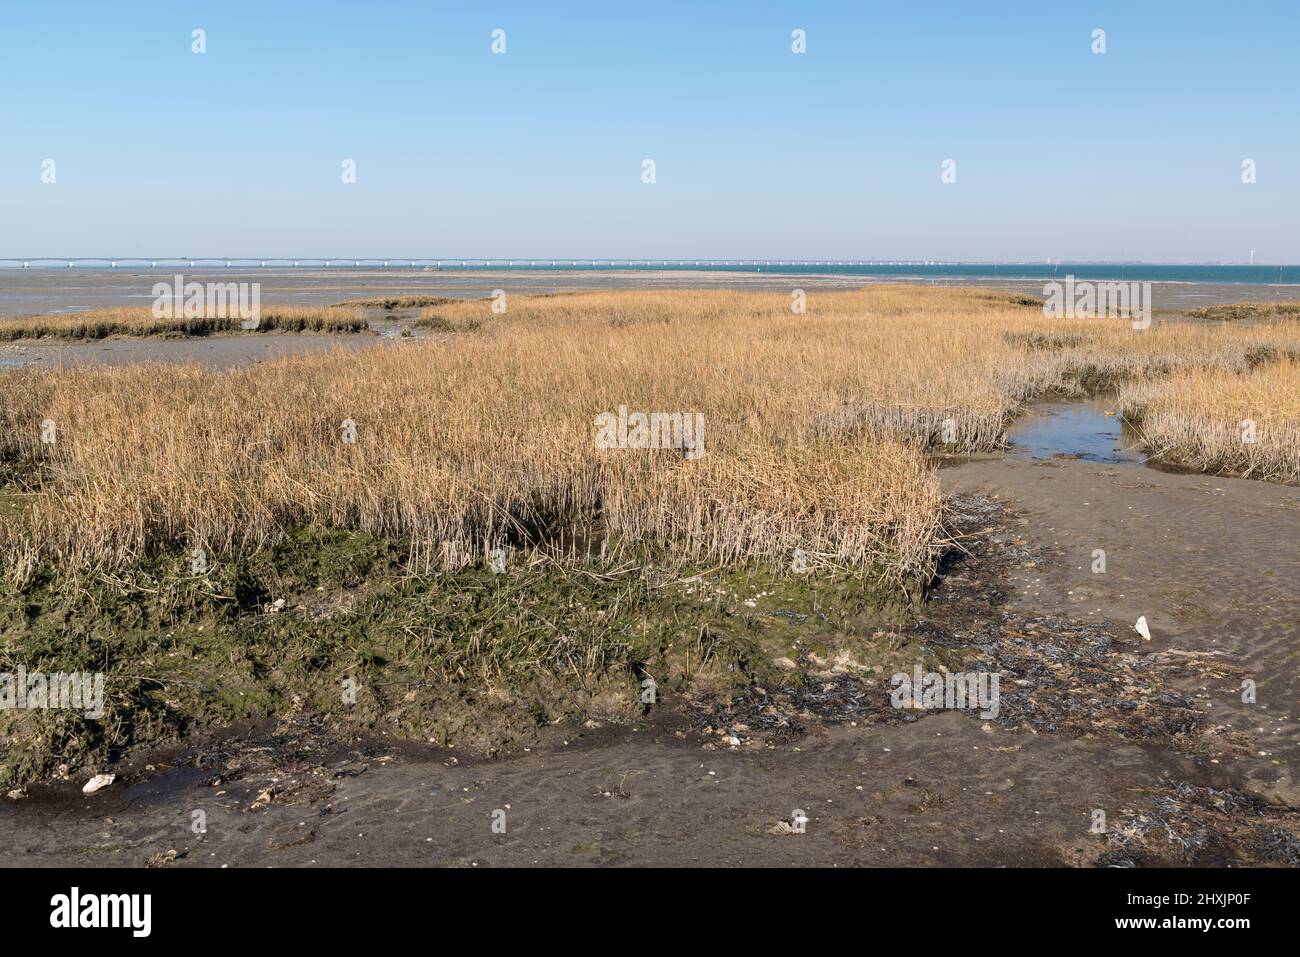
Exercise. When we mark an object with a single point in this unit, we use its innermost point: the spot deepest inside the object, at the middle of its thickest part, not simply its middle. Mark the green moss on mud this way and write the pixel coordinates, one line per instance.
(470, 660)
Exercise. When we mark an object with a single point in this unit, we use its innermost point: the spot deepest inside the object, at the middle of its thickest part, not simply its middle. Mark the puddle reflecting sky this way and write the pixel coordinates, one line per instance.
(1079, 429)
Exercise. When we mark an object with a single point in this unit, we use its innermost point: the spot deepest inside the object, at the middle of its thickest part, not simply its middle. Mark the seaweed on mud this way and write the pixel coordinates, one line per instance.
(1188, 824)
(1060, 674)
(787, 711)
(299, 762)
(1057, 674)
(1283, 847)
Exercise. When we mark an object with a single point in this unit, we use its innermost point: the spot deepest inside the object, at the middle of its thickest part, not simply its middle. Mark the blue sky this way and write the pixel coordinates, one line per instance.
(759, 152)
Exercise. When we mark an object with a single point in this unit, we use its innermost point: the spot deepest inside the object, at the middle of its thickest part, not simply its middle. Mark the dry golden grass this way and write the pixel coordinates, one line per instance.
(1218, 421)
(138, 321)
(817, 428)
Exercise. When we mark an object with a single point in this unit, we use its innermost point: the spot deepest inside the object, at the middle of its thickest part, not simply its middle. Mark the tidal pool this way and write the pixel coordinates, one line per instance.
(1090, 430)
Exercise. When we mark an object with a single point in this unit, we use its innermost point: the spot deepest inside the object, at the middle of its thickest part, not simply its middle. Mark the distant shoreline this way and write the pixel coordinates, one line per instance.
(53, 291)
(1252, 273)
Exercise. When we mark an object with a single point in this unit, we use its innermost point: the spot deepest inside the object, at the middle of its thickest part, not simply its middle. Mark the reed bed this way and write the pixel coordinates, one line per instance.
(1238, 311)
(818, 429)
(139, 321)
(1224, 422)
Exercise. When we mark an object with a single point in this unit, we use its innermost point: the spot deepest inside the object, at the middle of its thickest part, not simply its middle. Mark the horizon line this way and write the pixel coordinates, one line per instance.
(542, 261)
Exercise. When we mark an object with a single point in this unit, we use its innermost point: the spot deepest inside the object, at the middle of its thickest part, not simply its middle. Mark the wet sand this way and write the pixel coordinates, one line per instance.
(27, 292)
(46, 291)
(1212, 563)
(217, 352)
(644, 798)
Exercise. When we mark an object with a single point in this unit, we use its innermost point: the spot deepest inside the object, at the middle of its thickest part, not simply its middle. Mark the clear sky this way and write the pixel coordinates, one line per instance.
(759, 152)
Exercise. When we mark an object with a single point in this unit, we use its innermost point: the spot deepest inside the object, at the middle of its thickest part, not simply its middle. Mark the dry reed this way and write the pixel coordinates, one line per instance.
(816, 436)
(139, 321)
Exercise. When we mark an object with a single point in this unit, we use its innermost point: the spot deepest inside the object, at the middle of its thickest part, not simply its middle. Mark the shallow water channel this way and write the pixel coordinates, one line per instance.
(1089, 429)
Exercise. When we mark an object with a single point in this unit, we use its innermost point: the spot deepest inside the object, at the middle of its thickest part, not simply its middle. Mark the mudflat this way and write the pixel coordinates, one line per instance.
(27, 292)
